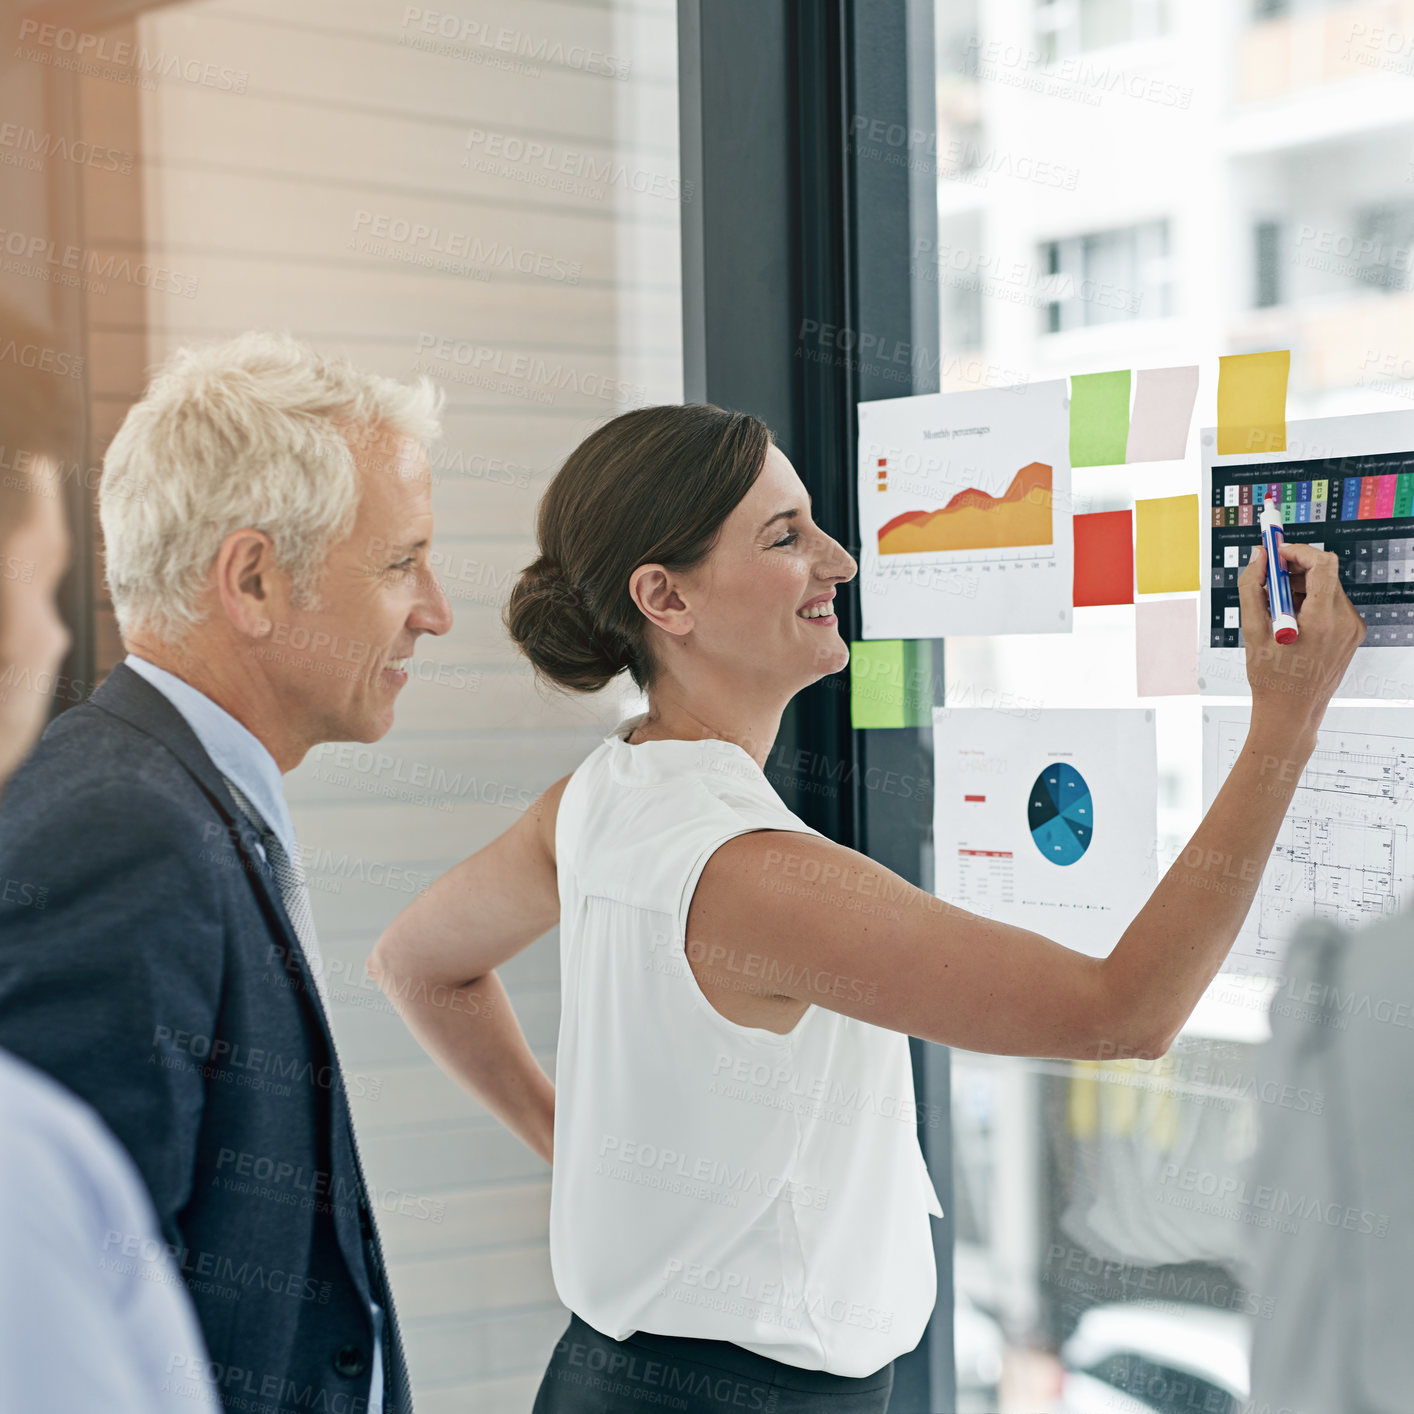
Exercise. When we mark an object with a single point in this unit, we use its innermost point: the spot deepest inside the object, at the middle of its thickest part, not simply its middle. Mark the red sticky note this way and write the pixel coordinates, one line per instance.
(1104, 558)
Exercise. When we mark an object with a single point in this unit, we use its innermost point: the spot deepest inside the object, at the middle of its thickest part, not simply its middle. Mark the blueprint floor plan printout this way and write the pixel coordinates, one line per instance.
(1343, 852)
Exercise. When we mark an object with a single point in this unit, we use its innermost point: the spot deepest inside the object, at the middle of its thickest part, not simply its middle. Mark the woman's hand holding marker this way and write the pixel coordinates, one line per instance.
(1292, 682)
(1283, 611)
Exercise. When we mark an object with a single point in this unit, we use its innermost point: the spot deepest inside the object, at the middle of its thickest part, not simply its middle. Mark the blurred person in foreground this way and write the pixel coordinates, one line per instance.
(86, 1323)
(259, 496)
(1335, 1248)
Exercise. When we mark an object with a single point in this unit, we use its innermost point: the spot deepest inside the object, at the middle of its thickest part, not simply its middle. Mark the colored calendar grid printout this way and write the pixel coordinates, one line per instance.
(1360, 507)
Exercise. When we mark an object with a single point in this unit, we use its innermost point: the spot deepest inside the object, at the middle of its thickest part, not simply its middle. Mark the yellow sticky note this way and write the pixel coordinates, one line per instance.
(1252, 402)
(1166, 544)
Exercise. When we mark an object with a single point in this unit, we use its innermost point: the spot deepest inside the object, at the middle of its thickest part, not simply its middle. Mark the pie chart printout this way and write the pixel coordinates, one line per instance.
(1001, 776)
(1061, 813)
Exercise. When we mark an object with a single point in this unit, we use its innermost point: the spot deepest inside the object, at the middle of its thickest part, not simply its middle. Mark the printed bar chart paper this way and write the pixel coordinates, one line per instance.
(1099, 418)
(1351, 493)
(1167, 544)
(1343, 852)
(1252, 402)
(1046, 818)
(965, 513)
(1163, 412)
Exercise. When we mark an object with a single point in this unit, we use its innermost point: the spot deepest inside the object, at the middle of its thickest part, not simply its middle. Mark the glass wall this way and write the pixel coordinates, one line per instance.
(489, 195)
(1129, 184)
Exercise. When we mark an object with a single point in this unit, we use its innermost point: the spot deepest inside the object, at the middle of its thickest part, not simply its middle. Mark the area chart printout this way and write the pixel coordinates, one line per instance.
(1045, 818)
(1344, 484)
(965, 513)
(1343, 852)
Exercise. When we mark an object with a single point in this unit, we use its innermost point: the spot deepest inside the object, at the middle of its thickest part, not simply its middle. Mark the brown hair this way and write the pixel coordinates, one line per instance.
(652, 486)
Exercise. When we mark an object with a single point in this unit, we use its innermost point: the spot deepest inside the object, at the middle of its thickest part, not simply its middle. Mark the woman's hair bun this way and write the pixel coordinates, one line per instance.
(651, 486)
(548, 570)
(549, 617)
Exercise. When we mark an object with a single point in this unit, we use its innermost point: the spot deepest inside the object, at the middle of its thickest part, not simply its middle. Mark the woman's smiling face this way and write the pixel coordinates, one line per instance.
(744, 605)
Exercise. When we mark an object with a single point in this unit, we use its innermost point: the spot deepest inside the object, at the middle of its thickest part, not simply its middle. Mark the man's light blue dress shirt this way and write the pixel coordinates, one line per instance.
(93, 1311)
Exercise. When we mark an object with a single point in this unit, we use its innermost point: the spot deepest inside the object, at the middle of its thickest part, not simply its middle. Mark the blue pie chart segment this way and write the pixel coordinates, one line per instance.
(1061, 814)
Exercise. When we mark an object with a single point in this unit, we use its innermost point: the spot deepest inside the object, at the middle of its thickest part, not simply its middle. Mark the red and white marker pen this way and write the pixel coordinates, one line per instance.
(1284, 628)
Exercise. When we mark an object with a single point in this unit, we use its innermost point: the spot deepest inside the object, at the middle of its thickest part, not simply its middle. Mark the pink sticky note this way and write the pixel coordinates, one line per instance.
(1166, 646)
(1163, 410)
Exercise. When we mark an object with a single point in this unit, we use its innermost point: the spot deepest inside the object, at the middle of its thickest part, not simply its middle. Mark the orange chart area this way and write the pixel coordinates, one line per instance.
(973, 520)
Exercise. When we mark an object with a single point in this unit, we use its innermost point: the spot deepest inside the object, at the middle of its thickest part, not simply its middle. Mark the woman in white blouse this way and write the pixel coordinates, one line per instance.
(739, 1207)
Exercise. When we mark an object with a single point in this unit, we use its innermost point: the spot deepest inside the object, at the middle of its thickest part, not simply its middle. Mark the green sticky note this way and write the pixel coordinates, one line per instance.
(889, 683)
(1099, 418)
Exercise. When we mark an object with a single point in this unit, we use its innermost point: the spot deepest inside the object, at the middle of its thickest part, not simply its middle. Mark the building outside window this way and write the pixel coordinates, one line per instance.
(1067, 27)
(1104, 277)
(1257, 200)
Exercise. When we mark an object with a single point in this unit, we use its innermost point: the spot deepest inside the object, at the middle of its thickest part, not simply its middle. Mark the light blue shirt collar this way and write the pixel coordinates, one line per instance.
(236, 751)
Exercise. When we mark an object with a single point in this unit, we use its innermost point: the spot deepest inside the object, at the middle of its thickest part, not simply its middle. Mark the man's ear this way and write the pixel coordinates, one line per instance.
(246, 581)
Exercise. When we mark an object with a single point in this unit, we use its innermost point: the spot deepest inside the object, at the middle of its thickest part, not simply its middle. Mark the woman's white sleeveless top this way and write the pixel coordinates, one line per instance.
(712, 1179)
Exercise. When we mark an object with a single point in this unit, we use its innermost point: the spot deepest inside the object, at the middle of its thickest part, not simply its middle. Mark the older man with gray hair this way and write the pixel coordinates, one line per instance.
(268, 527)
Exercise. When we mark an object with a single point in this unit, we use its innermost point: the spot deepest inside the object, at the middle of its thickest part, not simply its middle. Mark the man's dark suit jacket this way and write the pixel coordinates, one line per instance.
(146, 962)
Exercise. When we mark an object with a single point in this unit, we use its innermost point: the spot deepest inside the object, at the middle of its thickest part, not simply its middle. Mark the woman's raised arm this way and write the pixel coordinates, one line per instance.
(811, 920)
